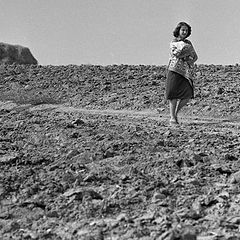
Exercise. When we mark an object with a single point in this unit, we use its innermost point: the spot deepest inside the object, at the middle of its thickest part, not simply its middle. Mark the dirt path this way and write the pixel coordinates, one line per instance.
(221, 124)
(149, 114)
(189, 123)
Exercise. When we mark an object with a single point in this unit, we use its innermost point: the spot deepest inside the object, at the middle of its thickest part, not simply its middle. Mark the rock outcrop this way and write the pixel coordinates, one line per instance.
(10, 54)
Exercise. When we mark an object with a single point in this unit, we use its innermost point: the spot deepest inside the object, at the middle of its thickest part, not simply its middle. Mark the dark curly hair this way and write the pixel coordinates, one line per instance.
(177, 29)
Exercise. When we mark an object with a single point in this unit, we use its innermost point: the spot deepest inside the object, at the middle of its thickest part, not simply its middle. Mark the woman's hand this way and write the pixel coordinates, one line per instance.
(189, 59)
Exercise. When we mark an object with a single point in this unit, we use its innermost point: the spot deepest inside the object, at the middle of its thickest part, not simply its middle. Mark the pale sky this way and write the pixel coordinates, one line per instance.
(106, 32)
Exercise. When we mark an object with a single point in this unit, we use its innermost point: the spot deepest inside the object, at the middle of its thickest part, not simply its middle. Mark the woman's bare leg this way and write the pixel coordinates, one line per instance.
(172, 107)
(180, 104)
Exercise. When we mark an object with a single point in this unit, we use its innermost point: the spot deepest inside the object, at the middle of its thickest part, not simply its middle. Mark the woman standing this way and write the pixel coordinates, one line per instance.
(179, 87)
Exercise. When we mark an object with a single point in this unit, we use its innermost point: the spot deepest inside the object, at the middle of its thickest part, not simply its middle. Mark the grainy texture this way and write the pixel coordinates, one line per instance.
(84, 154)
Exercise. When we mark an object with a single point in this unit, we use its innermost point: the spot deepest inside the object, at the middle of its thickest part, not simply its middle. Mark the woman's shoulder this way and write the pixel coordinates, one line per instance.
(188, 41)
(174, 40)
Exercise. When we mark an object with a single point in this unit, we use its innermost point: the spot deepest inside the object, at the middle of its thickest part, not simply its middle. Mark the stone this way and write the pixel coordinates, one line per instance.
(235, 177)
(189, 233)
(18, 54)
(158, 197)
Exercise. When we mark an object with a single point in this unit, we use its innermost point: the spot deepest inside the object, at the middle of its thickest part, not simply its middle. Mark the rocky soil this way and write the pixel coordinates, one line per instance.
(86, 152)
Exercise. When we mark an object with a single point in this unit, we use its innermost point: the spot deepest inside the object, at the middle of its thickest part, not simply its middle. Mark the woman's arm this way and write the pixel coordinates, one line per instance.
(180, 50)
(192, 58)
(193, 55)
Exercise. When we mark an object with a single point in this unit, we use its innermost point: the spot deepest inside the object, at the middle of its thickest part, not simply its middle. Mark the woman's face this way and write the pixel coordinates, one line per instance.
(183, 32)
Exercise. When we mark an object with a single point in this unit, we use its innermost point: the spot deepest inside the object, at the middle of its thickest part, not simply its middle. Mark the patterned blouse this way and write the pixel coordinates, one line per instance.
(182, 58)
